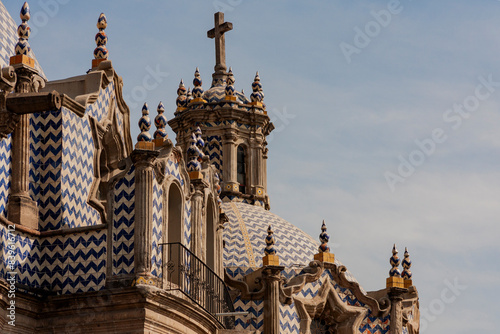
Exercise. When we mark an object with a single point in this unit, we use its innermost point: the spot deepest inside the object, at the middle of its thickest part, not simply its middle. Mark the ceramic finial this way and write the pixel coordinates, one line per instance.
(324, 238)
(230, 83)
(193, 152)
(257, 95)
(197, 82)
(181, 100)
(406, 274)
(394, 261)
(23, 31)
(101, 52)
(160, 122)
(144, 125)
(269, 250)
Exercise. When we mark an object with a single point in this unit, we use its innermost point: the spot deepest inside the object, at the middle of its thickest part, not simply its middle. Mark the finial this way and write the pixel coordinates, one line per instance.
(193, 165)
(100, 52)
(181, 97)
(189, 96)
(324, 254)
(324, 237)
(197, 90)
(269, 250)
(394, 260)
(199, 141)
(218, 187)
(230, 86)
(144, 125)
(395, 280)
(23, 31)
(160, 123)
(406, 274)
(257, 95)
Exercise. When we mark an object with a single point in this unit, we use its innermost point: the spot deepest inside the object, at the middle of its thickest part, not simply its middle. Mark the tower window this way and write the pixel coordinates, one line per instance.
(241, 169)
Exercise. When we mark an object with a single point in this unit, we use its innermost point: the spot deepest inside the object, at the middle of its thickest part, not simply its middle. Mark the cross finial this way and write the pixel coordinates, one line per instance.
(220, 44)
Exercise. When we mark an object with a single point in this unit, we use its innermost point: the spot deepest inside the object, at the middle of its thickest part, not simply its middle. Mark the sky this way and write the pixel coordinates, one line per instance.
(386, 115)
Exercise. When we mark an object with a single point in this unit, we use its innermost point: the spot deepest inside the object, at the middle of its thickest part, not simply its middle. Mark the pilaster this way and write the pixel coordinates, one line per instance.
(229, 162)
(198, 237)
(22, 209)
(271, 275)
(396, 298)
(143, 161)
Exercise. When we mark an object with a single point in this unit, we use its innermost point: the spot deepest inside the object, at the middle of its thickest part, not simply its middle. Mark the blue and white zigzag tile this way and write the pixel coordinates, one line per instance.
(123, 224)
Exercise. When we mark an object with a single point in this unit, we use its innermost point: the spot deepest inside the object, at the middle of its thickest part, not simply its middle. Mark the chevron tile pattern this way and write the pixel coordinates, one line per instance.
(5, 170)
(375, 325)
(77, 172)
(289, 319)
(187, 224)
(156, 253)
(173, 169)
(46, 165)
(213, 149)
(246, 249)
(123, 224)
(61, 164)
(8, 39)
(63, 264)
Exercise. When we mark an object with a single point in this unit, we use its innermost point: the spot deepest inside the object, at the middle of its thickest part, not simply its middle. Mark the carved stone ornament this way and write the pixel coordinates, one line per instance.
(8, 121)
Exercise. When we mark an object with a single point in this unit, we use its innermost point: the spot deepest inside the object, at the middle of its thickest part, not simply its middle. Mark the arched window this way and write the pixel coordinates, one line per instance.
(211, 242)
(174, 218)
(241, 169)
(173, 233)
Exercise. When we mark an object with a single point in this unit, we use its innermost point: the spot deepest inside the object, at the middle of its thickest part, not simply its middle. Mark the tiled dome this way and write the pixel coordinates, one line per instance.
(245, 239)
(245, 235)
(9, 38)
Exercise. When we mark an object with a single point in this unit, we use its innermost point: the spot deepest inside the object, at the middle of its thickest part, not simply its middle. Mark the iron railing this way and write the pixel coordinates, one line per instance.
(186, 273)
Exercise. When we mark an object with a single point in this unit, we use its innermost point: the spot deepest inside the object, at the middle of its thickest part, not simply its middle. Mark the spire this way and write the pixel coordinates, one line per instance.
(181, 98)
(324, 254)
(257, 96)
(144, 125)
(160, 123)
(406, 274)
(230, 86)
(100, 52)
(198, 90)
(395, 280)
(22, 48)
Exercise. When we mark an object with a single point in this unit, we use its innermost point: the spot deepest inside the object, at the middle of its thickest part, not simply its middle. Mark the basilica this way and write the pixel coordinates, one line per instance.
(104, 233)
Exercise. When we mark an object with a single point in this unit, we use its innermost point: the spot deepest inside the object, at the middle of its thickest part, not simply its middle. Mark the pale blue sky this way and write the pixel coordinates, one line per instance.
(341, 126)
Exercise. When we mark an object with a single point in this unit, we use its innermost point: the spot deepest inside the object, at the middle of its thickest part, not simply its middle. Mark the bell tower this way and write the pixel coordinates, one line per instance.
(234, 127)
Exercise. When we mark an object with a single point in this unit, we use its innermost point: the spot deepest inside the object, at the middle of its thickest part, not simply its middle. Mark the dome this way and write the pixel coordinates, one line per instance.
(218, 94)
(245, 233)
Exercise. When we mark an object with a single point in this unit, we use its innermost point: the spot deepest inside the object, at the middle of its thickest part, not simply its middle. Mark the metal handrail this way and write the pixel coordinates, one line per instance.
(192, 277)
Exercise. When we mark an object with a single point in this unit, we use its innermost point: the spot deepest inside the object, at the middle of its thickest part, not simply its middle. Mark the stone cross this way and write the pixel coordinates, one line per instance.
(220, 44)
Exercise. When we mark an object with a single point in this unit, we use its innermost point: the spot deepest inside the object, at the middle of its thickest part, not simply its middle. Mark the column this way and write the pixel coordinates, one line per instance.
(229, 162)
(271, 276)
(143, 161)
(21, 208)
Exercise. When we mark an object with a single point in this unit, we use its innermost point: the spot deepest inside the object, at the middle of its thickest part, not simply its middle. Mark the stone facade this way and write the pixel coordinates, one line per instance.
(101, 235)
